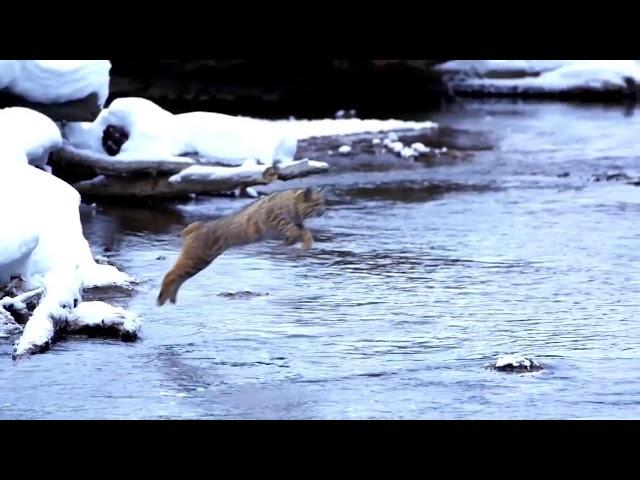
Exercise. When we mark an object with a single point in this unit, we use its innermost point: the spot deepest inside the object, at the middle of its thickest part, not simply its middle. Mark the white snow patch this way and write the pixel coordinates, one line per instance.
(101, 314)
(420, 148)
(482, 67)
(251, 192)
(407, 152)
(391, 137)
(344, 150)
(515, 361)
(395, 147)
(55, 81)
(207, 173)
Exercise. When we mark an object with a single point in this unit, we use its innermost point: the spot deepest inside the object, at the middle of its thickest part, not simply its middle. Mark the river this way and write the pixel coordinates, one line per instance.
(417, 279)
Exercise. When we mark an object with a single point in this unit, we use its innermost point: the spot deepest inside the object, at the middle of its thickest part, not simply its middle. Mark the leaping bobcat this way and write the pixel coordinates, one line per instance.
(279, 215)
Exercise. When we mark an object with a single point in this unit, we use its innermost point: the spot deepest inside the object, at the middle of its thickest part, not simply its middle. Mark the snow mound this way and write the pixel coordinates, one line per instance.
(55, 81)
(156, 133)
(35, 136)
(42, 238)
(215, 138)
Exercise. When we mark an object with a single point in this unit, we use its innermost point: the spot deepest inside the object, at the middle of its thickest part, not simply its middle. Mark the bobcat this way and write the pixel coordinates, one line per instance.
(279, 215)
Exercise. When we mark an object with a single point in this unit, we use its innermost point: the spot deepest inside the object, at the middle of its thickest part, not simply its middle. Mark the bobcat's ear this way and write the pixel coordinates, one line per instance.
(306, 194)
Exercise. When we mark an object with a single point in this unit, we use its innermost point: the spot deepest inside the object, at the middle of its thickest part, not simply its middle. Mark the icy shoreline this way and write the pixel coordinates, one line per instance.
(579, 79)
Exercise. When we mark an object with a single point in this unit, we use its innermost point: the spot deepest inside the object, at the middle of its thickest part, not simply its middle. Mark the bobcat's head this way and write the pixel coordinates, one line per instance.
(310, 202)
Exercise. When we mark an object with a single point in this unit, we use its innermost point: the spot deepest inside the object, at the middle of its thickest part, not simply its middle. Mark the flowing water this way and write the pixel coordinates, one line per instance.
(418, 278)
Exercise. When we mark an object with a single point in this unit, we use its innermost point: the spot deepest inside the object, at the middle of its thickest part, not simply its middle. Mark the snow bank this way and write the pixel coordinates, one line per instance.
(42, 237)
(55, 81)
(543, 76)
(215, 138)
(156, 133)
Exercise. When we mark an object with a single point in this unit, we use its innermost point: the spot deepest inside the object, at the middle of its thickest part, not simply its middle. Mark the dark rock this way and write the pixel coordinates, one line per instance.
(113, 138)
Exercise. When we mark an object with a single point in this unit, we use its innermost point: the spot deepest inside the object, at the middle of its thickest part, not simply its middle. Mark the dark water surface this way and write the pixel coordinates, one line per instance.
(418, 277)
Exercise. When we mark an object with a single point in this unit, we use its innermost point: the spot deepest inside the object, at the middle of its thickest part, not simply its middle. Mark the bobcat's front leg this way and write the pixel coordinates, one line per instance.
(294, 233)
(307, 239)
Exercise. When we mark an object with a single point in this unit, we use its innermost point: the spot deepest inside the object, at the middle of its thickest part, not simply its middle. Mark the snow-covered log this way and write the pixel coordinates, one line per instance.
(198, 179)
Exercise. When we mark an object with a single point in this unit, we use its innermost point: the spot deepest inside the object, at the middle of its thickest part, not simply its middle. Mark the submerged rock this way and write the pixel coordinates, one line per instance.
(243, 295)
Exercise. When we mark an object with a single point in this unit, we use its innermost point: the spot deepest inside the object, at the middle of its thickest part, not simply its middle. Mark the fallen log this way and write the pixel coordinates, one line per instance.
(68, 156)
(198, 179)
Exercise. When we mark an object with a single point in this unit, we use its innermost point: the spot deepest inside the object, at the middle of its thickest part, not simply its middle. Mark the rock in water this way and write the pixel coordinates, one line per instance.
(510, 363)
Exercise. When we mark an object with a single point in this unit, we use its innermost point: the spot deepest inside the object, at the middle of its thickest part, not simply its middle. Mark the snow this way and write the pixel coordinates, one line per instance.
(344, 149)
(512, 360)
(8, 326)
(395, 146)
(55, 81)
(208, 173)
(420, 148)
(44, 242)
(303, 129)
(250, 170)
(515, 361)
(155, 133)
(483, 67)
(407, 152)
(101, 314)
(34, 135)
(304, 166)
(16, 245)
(544, 75)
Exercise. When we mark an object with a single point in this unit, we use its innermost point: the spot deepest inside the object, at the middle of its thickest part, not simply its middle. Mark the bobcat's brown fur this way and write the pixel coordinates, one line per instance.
(279, 215)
